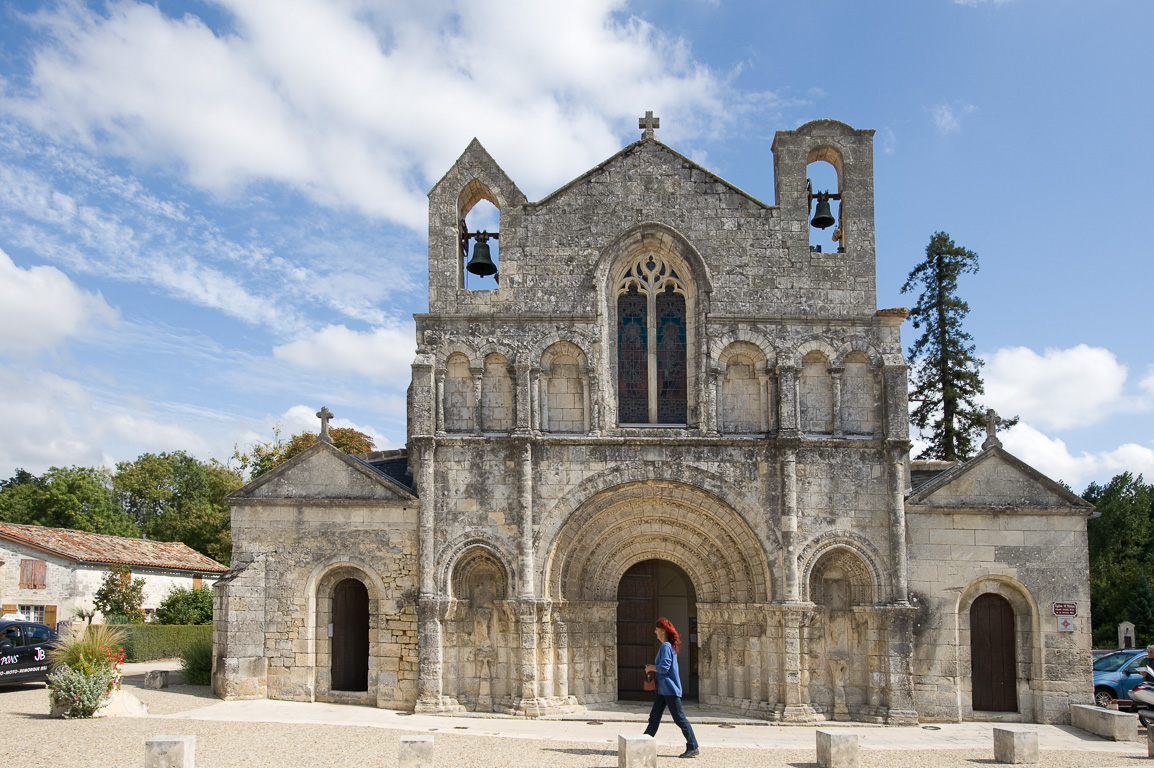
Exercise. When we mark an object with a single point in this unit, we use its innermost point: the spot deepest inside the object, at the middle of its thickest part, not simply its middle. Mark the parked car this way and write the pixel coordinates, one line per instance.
(24, 647)
(1116, 673)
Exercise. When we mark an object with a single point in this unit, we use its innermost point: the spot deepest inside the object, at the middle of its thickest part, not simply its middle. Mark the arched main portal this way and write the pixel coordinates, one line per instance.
(992, 654)
(648, 590)
(350, 644)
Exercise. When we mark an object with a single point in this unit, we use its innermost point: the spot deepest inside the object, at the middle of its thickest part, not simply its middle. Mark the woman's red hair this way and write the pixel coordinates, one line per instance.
(671, 635)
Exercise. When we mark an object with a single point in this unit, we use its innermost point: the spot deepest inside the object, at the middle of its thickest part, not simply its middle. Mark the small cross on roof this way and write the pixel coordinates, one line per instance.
(647, 124)
(324, 414)
(992, 422)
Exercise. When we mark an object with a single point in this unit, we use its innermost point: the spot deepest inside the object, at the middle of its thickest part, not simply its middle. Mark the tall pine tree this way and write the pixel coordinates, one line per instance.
(945, 379)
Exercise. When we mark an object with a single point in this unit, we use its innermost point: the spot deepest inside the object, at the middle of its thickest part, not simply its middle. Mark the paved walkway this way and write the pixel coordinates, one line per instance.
(602, 724)
(713, 730)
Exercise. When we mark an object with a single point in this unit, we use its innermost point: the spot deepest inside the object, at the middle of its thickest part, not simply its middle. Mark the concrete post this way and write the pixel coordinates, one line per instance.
(836, 749)
(415, 752)
(636, 751)
(1015, 745)
(170, 752)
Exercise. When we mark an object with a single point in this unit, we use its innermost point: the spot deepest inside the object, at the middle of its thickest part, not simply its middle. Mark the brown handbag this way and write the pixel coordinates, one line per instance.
(650, 683)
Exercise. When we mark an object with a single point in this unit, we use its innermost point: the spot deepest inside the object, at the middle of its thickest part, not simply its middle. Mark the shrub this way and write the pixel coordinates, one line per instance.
(120, 594)
(185, 606)
(80, 694)
(196, 663)
(146, 642)
(86, 669)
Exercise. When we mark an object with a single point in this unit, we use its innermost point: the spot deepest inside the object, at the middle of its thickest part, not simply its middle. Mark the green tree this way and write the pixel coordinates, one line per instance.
(120, 595)
(1140, 611)
(945, 381)
(177, 497)
(185, 606)
(1121, 544)
(262, 457)
(80, 498)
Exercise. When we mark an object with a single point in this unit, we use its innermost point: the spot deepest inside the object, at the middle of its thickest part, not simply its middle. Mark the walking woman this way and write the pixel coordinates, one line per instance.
(669, 686)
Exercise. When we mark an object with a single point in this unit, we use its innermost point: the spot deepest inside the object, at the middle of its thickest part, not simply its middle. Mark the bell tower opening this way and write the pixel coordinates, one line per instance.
(480, 257)
(823, 182)
(649, 590)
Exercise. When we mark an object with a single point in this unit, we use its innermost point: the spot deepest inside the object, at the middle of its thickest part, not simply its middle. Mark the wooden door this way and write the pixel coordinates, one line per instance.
(992, 655)
(350, 643)
(636, 643)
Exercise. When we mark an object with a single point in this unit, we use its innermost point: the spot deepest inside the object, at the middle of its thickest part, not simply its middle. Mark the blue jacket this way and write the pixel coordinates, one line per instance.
(668, 677)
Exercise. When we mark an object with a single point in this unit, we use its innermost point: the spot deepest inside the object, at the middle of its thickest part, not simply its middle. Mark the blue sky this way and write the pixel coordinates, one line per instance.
(212, 214)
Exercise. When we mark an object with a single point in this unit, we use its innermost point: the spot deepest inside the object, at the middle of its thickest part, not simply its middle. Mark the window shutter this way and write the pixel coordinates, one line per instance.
(7, 609)
(50, 615)
(40, 574)
(197, 582)
(27, 573)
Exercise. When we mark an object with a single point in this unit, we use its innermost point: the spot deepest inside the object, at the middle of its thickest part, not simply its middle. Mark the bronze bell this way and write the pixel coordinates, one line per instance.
(481, 264)
(822, 217)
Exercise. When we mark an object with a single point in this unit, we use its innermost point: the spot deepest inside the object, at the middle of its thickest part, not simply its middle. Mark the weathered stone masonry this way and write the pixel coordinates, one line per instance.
(533, 483)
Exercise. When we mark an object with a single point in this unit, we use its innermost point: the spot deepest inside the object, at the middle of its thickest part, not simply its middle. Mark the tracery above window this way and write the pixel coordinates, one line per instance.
(652, 372)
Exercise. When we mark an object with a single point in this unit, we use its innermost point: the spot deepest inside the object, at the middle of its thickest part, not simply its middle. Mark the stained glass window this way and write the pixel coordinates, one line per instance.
(671, 383)
(652, 374)
(632, 358)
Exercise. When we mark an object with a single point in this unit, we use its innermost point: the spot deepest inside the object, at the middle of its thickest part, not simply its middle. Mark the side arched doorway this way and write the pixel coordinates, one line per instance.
(648, 590)
(992, 656)
(350, 638)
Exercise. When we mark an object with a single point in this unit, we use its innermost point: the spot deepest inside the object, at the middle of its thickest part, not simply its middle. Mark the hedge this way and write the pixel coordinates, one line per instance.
(146, 642)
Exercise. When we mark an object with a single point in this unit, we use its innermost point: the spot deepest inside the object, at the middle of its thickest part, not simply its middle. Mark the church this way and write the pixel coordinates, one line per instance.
(660, 399)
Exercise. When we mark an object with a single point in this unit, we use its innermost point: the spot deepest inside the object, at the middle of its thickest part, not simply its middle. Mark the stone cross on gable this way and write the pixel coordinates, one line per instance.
(647, 124)
(324, 414)
(992, 422)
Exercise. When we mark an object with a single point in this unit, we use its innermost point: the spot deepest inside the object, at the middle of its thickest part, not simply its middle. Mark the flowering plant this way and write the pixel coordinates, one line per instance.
(86, 670)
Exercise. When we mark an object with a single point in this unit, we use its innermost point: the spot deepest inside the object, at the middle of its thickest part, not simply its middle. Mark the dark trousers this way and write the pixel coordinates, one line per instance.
(660, 702)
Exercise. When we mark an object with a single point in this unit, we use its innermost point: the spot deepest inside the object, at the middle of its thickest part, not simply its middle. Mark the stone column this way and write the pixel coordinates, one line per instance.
(522, 424)
(763, 390)
(430, 606)
(796, 697)
(899, 665)
(529, 704)
(440, 405)
(835, 378)
(789, 524)
(525, 500)
(586, 400)
(561, 654)
(898, 560)
(545, 653)
(897, 407)
(713, 427)
(535, 417)
(594, 403)
(788, 416)
(477, 376)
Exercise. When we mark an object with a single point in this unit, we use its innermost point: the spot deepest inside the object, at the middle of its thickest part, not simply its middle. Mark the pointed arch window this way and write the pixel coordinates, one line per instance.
(652, 370)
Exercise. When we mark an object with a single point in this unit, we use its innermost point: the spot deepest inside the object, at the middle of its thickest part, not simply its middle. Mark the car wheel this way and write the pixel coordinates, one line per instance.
(1103, 697)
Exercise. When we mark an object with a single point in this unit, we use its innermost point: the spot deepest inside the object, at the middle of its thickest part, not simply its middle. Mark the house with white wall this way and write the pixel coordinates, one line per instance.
(48, 574)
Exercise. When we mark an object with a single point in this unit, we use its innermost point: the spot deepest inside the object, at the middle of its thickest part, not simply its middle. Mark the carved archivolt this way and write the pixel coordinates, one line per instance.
(666, 521)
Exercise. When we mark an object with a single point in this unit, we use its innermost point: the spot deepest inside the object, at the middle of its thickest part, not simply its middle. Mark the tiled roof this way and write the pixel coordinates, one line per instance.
(84, 547)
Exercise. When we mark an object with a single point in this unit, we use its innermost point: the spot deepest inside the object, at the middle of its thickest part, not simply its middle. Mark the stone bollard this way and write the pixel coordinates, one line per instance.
(156, 678)
(416, 752)
(170, 752)
(1015, 745)
(1150, 741)
(836, 749)
(636, 750)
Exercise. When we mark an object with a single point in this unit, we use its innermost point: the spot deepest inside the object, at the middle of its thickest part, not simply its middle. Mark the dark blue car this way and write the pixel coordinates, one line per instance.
(24, 647)
(1116, 673)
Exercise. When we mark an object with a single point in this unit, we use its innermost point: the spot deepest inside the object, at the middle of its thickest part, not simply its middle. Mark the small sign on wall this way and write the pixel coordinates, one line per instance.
(1065, 624)
(1069, 608)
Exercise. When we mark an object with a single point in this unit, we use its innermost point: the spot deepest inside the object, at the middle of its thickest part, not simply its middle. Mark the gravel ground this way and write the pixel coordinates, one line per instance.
(31, 738)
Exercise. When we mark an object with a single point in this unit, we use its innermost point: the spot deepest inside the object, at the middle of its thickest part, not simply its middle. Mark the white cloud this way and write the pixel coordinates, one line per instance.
(361, 105)
(1060, 389)
(948, 118)
(40, 307)
(1052, 457)
(382, 355)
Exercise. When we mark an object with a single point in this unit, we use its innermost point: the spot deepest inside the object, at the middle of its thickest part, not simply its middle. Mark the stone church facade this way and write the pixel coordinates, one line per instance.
(671, 405)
